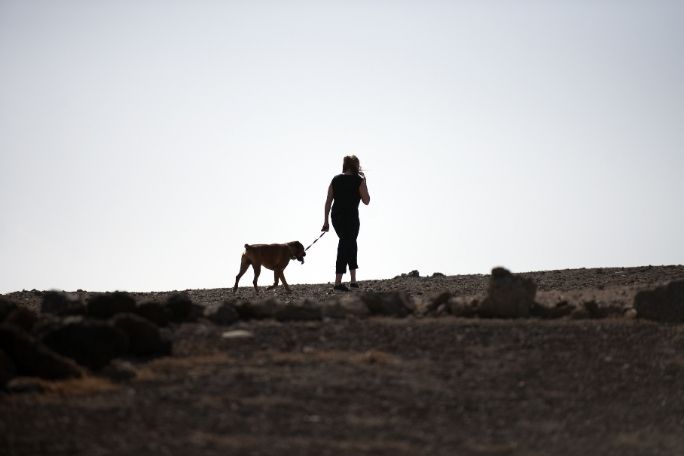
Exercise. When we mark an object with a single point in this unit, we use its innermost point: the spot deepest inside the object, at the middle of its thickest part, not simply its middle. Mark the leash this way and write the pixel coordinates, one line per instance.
(315, 241)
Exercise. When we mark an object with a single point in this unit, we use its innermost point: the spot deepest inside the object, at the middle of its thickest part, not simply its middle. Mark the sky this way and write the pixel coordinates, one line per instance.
(143, 143)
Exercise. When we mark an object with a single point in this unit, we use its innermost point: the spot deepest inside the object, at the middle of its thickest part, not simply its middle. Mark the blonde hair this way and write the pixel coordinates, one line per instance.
(351, 163)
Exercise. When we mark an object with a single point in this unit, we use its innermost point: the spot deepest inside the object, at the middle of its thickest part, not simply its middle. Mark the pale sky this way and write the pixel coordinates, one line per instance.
(143, 143)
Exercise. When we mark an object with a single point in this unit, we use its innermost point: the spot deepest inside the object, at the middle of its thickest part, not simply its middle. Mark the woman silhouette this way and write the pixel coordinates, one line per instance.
(344, 193)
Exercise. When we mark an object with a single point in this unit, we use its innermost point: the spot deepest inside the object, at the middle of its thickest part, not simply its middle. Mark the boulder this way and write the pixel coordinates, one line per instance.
(7, 369)
(664, 303)
(57, 303)
(388, 304)
(106, 305)
(6, 307)
(155, 312)
(462, 307)
(32, 358)
(306, 311)
(91, 343)
(438, 301)
(22, 318)
(560, 310)
(144, 338)
(180, 308)
(347, 305)
(508, 296)
(257, 311)
(224, 315)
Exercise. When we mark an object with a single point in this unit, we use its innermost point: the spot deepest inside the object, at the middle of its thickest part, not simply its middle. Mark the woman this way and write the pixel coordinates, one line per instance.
(344, 193)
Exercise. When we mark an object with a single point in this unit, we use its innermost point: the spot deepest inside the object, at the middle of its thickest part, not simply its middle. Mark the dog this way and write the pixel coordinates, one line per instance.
(271, 256)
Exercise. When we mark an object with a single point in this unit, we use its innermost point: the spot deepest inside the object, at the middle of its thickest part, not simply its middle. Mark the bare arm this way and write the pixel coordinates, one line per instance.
(363, 191)
(328, 205)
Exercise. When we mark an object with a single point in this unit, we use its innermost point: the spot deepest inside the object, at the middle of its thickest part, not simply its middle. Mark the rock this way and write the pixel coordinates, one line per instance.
(180, 307)
(23, 318)
(224, 315)
(57, 303)
(560, 310)
(119, 371)
(32, 358)
(664, 303)
(347, 305)
(6, 307)
(413, 273)
(237, 334)
(302, 312)
(437, 274)
(7, 369)
(90, 343)
(462, 307)
(144, 338)
(257, 311)
(437, 301)
(106, 305)
(509, 296)
(155, 312)
(389, 304)
(26, 385)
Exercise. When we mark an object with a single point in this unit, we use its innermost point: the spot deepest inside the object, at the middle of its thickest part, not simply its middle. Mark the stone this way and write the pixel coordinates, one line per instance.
(144, 338)
(257, 311)
(560, 310)
(6, 307)
(155, 312)
(388, 304)
(224, 315)
(7, 369)
(91, 343)
(508, 296)
(32, 358)
(237, 334)
(104, 306)
(119, 371)
(462, 307)
(180, 307)
(299, 312)
(22, 317)
(437, 301)
(57, 303)
(665, 303)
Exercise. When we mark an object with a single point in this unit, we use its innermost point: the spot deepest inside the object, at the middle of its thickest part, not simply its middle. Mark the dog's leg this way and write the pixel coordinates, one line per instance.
(282, 277)
(244, 264)
(276, 277)
(257, 271)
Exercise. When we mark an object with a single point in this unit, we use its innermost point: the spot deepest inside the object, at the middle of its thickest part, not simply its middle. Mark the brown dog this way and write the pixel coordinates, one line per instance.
(272, 256)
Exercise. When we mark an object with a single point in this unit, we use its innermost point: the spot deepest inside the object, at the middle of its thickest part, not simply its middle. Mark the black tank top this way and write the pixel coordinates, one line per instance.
(346, 194)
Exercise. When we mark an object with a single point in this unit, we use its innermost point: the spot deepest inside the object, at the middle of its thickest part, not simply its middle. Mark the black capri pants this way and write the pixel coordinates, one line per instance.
(347, 229)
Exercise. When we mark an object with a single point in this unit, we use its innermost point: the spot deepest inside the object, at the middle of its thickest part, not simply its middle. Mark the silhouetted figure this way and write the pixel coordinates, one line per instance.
(344, 193)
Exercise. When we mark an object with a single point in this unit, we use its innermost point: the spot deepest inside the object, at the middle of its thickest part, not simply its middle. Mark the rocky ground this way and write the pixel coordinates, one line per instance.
(582, 361)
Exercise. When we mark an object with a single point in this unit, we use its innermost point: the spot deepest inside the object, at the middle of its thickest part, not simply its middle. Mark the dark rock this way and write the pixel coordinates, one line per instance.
(509, 296)
(90, 343)
(437, 274)
(180, 307)
(119, 371)
(25, 385)
(257, 311)
(30, 357)
(347, 305)
(106, 305)
(57, 303)
(22, 317)
(413, 273)
(389, 304)
(664, 303)
(224, 315)
(144, 338)
(155, 312)
(462, 307)
(6, 307)
(299, 312)
(7, 369)
(438, 301)
(560, 310)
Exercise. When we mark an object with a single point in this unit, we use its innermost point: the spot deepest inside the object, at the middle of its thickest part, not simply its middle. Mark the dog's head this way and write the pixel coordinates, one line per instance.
(296, 251)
